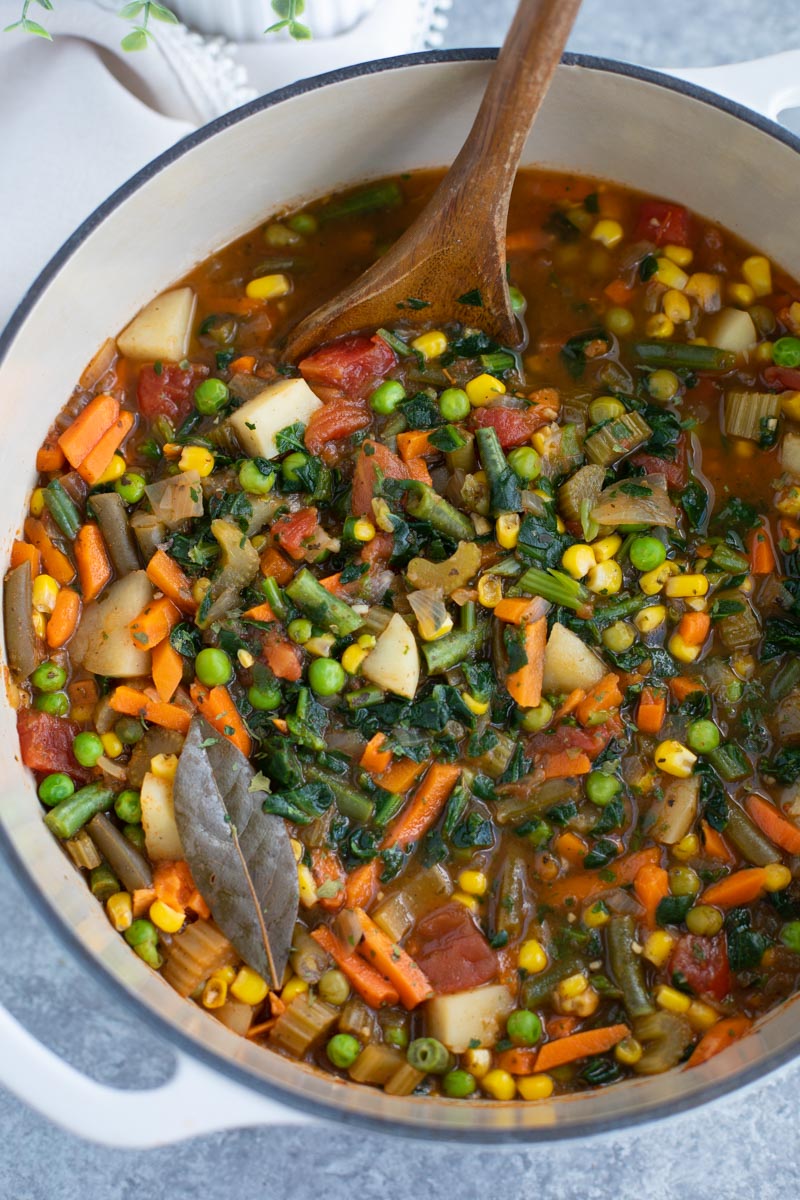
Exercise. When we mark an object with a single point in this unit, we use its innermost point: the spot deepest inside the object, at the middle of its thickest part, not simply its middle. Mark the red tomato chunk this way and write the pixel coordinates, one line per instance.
(353, 365)
(663, 223)
(169, 391)
(703, 963)
(513, 426)
(46, 743)
(451, 951)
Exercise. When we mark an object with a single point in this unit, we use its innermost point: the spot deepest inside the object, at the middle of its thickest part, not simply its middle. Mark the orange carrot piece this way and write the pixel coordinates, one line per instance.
(682, 686)
(741, 887)
(789, 532)
(424, 807)
(173, 883)
(410, 982)
(261, 612)
(165, 574)
(604, 697)
(99, 458)
(525, 685)
(24, 552)
(142, 899)
(571, 847)
(417, 469)
(91, 556)
(513, 611)
(133, 703)
(588, 885)
(651, 710)
(374, 759)
(525, 239)
(64, 618)
(154, 623)
(774, 824)
(245, 364)
(81, 437)
(326, 867)
(275, 566)
(694, 627)
(718, 1038)
(519, 1060)
(715, 845)
(569, 705)
(369, 983)
(50, 457)
(762, 554)
(362, 884)
(563, 763)
(651, 885)
(167, 666)
(401, 775)
(580, 1045)
(618, 292)
(219, 710)
(414, 444)
(333, 584)
(54, 561)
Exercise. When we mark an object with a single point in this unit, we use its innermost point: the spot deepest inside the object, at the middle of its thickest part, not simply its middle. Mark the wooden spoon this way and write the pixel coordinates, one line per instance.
(457, 245)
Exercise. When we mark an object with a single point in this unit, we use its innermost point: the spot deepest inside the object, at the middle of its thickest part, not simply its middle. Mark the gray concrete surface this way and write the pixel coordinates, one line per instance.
(741, 1147)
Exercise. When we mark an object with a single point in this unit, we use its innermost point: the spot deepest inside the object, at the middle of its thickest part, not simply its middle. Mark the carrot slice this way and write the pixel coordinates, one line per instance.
(514, 611)
(219, 710)
(392, 962)
(374, 759)
(154, 623)
(50, 457)
(715, 845)
(525, 685)
(401, 775)
(563, 763)
(774, 824)
(580, 1045)
(682, 686)
(568, 705)
(261, 612)
(167, 670)
(588, 885)
(369, 983)
(133, 703)
(245, 364)
(651, 885)
(651, 710)
(424, 807)
(414, 444)
(604, 697)
(326, 867)
(64, 619)
(741, 887)
(91, 556)
(762, 555)
(571, 847)
(718, 1038)
(519, 1060)
(165, 574)
(275, 566)
(99, 459)
(362, 884)
(24, 552)
(55, 562)
(81, 437)
(694, 627)
(618, 292)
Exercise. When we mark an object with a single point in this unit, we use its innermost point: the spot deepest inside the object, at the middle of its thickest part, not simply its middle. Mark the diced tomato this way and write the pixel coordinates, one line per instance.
(571, 737)
(703, 963)
(283, 658)
(662, 223)
(46, 743)
(168, 392)
(290, 532)
(452, 952)
(372, 457)
(513, 425)
(337, 419)
(675, 470)
(353, 364)
(783, 377)
(379, 550)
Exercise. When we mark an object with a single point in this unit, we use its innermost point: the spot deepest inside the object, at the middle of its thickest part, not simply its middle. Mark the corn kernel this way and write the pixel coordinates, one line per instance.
(430, 345)
(199, 589)
(788, 502)
(45, 593)
(268, 287)
(578, 560)
(741, 294)
(705, 289)
(572, 986)
(297, 848)
(39, 623)
(670, 274)
(680, 255)
(676, 306)
(164, 766)
(672, 1000)
(560, 526)
(651, 582)
(682, 650)
(535, 1087)
(688, 847)
(490, 591)
(628, 1051)
(478, 707)
(196, 458)
(790, 405)
(367, 641)
(675, 759)
(245, 658)
(477, 1061)
(474, 883)
(794, 316)
(112, 746)
(658, 947)
(249, 987)
(295, 987)
(606, 547)
(352, 659)
(596, 916)
(659, 326)
(758, 273)
(215, 993)
(499, 1084)
(120, 911)
(610, 233)
(605, 579)
(483, 389)
(306, 885)
(701, 1016)
(776, 877)
(37, 502)
(383, 515)
(532, 957)
(165, 917)
(468, 901)
(363, 531)
(115, 470)
(507, 530)
(225, 974)
(647, 620)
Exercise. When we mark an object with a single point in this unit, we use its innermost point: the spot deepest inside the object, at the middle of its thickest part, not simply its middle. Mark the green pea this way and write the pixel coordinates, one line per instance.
(128, 807)
(429, 1055)
(524, 1027)
(454, 404)
(87, 748)
(518, 301)
(526, 463)
(129, 730)
(602, 788)
(786, 352)
(49, 677)
(135, 835)
(684, 881)
(396, 1035)
(300, 630)
(619, 321)
(292, 465)
(326, 676)
(303, 223)
(536, 718)
(265, 699)
(55, 788)
(210, 396)
(141, 931)
(54, 703)
(647, 553)
(386, 397)
(790, 935)
(333, 987)
(705, 921)
(213, 667)
(458, 1084)
(280, 235)
(703, 736)
(252, 479)
(130, 487)
(343, 1050)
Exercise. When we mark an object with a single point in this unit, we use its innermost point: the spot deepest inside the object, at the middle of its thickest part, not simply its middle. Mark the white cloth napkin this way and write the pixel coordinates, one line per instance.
(79, 116)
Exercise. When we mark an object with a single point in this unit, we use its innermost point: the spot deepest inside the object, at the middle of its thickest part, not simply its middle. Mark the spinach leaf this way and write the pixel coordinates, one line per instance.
(694, 502)
(785, 766)
(422, 412)
(745, 946)
(474, 833)
(291, 438)
(573, 352)
(779, 636)
(603, 852)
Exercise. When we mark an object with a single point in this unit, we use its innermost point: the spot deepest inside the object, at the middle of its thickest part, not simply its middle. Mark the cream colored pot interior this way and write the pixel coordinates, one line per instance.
(594, 121)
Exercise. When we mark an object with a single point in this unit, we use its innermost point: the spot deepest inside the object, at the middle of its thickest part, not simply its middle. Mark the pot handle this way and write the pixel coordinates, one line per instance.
(195, 1101)
(769, 85)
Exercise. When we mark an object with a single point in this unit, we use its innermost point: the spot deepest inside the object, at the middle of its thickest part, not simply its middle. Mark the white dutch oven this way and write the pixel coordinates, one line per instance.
(632, 126)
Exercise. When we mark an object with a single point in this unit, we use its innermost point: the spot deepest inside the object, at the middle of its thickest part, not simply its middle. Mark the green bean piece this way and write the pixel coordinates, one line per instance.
(62, 509)
(112, 517)
(627, 967)
(350, 803)
(429, 1055)
(424, 504)
(275, 597)
(23, 647)
(536, 988)
(321, 607)
(103, 882)
(72, 814)
(504, 493)
(387, 806)
(374, 198)
(679, 354)
(455, 809)
(730, 762)
(364, 698)
(748, 838)
(453, 648)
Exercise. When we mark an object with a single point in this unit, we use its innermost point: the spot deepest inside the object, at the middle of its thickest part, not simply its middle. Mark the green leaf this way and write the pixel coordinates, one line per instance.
(36, 29)
(283, 8)
(472, 299)
(300, 33)
(129, 12)
(160, 13)
(46, 4)
(135, 40)
(277, 27)
(9, 28)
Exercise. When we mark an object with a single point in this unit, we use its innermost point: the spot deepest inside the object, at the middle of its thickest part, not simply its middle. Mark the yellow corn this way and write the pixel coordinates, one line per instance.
(606, 547)
(790, 404)
(672, 1000)
(609, 232)
(578, 560)
(477, 1061)
(682, 650)
(199, 589)
(572, 986)
(535, 1087)
(295, 987)
(507, 530)
(39, 623)
(483, 389)
(246, 659)
(120, 911)
(430, 345)
(164, 766)
(705, 289)
(758, 273)
(37, 502)
(115, 470)
(659, 326)
(297, 848)
(383, 515)
(112, 746)
(499, 1084)
(688, 847)
(649, 619)
(490, 591)
(673, 758)
(215, 993)
(651, 582)
(628, 1051)
(701, 1016)
(352, 659)
(474, 883)
(45, 593)
(676, 306)
(680, 255)
(166, 918)
(268, 287)
(196, 458)
(605, 579)
(249, 987)
(367, 641)
(658, 947)
(468, 901)
(306, 886)
(596, 916)
(670, 274)
(479, 707)
(226, 974)
(794, 316)
(363, 531)
(532, 957)
(776, 877)
(741, 294)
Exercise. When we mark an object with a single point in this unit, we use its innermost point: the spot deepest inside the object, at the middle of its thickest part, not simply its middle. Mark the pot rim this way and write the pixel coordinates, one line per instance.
(154, 1021)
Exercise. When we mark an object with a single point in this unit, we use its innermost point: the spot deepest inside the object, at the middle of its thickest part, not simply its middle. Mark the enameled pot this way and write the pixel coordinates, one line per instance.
(635, 127)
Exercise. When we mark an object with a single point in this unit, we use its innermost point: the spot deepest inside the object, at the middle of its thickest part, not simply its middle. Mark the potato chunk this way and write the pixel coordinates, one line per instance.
(280, 404)
(464, 1018)
(162, 329)
(568, 663)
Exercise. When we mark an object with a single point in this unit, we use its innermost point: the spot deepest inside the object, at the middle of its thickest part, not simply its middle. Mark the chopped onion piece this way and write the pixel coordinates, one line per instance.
(179, 498)
(640, 501)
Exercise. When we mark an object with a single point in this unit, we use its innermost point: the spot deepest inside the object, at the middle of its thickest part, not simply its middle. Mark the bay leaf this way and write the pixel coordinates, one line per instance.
(240, 857)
